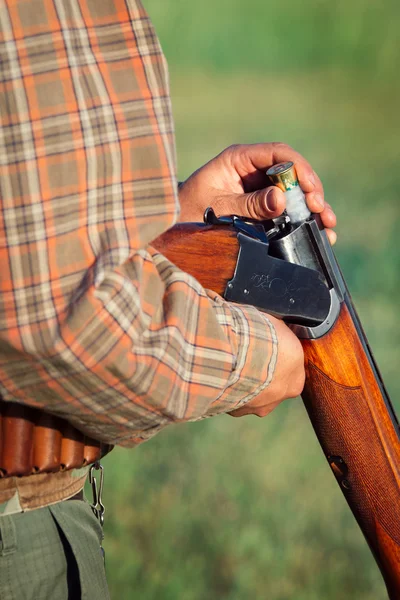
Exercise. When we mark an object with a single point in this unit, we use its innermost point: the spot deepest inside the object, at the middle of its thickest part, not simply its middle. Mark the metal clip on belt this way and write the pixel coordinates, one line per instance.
(97, 507)
(32, 441)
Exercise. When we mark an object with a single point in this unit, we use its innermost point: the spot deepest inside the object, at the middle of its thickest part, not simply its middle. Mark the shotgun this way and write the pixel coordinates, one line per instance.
(286, 267)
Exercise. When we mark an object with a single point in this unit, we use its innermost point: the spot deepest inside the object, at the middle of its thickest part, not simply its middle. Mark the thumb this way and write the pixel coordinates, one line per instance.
(260, 204)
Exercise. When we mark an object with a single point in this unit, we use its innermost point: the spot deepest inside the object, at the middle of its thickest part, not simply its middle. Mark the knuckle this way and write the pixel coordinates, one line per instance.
(282, 146)
(237, 413)
(264, 411)
(294, 346)
(233, 149)
(298, 383)
(292, 362)
(297, 377)
(251, 206)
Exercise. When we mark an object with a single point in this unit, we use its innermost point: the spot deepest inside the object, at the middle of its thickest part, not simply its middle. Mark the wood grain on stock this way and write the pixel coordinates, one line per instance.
(207, 252)
(349, 415)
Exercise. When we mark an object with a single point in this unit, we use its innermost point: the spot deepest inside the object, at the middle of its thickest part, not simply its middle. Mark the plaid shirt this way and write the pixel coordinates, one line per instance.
(95, 325)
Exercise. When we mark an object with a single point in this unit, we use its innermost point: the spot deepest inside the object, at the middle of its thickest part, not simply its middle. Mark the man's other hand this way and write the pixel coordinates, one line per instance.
(235, 183)
(288, 379)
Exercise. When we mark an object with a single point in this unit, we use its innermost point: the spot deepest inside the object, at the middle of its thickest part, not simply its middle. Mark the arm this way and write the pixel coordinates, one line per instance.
(252, 376)
(96, 326)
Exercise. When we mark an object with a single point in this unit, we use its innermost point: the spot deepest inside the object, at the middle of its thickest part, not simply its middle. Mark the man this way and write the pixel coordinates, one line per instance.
(96, 326)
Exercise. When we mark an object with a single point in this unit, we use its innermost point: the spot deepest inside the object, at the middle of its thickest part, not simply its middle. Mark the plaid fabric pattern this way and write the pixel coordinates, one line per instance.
(95, 325)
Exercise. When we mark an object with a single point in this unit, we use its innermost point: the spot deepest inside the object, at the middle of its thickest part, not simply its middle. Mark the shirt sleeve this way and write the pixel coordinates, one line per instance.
(95, 325)
(146, 347)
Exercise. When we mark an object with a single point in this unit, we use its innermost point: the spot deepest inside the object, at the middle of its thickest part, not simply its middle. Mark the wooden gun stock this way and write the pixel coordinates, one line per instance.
(348, 408)
(344, 397)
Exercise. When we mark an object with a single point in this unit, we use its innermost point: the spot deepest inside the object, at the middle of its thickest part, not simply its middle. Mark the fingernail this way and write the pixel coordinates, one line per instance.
(333, 238)
(319, 199)
(272, 202)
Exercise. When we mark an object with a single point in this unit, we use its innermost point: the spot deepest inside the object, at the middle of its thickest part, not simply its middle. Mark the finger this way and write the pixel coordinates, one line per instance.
(315, 202)
(240, 412)
(308, 179)
(261, 204)
(315, 198)
(251, 160)
(260, 411)
(332, 237)
(328, 217)
(319, 188)
(326, 214)
(248, 158)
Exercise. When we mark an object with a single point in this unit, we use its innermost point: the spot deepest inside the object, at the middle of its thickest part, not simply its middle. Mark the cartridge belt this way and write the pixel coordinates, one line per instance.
(32, 441)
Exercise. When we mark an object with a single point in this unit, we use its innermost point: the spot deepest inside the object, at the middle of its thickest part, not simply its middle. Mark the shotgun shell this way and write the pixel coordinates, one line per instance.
(284, 176)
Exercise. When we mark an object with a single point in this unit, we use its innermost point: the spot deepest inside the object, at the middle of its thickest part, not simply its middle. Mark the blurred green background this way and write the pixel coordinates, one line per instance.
(248, 509)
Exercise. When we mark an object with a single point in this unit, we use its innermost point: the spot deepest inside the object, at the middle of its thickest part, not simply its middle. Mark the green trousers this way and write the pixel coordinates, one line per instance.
(52, 553)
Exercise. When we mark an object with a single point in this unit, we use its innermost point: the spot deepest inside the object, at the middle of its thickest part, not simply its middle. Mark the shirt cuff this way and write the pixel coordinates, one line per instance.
(255, 346)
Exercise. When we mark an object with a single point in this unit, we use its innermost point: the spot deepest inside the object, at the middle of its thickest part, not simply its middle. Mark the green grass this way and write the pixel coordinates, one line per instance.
(247, 508)
(216, 510)
(272, 36)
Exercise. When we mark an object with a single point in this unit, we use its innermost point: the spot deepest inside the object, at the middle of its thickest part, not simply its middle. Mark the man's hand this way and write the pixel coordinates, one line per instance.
(288, 379)
(235, 183)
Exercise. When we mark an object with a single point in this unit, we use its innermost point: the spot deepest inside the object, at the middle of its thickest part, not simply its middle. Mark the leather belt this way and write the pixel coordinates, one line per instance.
(32, 441)
(78, 496)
